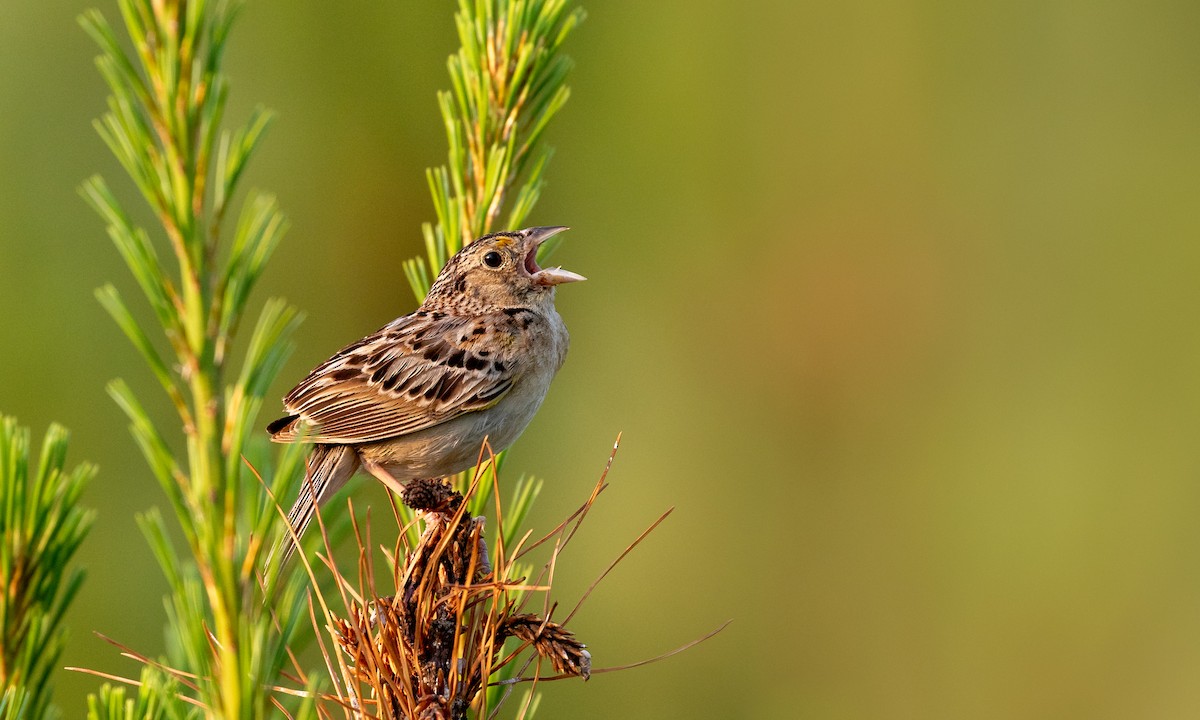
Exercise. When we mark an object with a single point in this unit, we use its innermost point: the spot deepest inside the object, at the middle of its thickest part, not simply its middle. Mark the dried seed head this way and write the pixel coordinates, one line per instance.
(427, 495)
(428, 651)
(553, 642)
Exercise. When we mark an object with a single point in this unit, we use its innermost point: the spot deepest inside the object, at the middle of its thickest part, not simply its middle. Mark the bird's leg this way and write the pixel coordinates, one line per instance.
(433, 518)
(385, 477)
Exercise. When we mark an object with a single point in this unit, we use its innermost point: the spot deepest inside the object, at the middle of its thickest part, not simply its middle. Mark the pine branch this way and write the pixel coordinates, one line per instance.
(508, 80)
(41, 527)
(165, 127)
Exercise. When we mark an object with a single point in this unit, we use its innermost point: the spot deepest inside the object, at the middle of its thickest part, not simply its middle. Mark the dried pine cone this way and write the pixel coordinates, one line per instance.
(427, 495)
(553, 642)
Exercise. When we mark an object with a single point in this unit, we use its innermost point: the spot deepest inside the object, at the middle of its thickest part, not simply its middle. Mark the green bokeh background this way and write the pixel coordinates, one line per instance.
(895, 302)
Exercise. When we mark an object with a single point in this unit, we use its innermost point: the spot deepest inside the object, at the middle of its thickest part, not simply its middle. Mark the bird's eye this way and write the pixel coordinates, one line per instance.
(493, 259)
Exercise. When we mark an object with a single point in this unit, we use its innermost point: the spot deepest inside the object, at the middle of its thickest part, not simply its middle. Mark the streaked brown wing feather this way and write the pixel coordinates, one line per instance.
(414, 373)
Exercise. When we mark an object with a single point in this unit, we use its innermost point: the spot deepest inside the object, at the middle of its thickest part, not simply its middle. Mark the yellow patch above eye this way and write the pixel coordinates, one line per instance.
(503, 242)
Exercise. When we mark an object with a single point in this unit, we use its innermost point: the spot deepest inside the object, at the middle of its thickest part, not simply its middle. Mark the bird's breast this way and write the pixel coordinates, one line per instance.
(454, 445)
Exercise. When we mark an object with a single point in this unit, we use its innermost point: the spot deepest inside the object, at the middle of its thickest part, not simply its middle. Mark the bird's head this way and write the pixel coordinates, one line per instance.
(500, 270)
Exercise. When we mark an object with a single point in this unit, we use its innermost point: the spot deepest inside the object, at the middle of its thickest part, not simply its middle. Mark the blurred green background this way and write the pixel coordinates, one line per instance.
(896, 302)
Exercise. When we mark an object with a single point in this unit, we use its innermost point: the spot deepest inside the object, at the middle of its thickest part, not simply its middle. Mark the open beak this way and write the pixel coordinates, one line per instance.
(545, 276)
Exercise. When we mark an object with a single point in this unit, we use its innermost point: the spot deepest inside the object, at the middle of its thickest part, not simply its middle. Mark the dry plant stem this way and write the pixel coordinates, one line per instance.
(433, 648)
(430, 649)
(618, 668)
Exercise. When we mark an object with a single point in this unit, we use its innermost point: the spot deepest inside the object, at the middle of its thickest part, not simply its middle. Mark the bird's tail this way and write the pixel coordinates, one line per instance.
(329, 467)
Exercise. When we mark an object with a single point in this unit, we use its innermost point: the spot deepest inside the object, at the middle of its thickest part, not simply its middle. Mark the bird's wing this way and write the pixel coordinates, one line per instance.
(418, 371)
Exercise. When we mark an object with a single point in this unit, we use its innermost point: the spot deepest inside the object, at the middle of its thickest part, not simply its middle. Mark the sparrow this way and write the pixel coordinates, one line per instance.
(417, 398)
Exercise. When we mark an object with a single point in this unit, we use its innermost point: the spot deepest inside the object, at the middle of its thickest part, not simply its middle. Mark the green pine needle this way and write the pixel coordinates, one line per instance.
(231, 619)
(41, 526)
(508, 81)
(148, 701)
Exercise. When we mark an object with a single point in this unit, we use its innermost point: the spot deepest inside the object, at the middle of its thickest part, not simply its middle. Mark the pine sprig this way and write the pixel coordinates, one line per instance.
(148, 701)
(41, 527)
(507, 81)
(165, 127)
